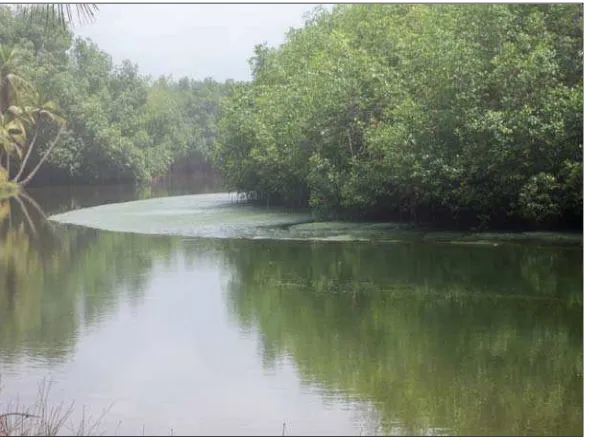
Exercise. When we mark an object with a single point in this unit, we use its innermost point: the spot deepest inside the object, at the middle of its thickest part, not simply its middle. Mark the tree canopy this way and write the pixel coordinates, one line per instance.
(122, 126)
(456, 114)
(465, 115)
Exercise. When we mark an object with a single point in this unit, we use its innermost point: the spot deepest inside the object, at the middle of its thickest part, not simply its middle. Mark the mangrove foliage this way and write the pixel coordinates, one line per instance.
(464, 115)
(121, 126)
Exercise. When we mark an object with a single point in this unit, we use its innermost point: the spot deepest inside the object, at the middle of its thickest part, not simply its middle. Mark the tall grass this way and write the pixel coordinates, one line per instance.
(44, 419)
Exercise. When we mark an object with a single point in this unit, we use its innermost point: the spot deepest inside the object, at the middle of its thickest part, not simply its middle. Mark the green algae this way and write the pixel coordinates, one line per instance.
(223, 216)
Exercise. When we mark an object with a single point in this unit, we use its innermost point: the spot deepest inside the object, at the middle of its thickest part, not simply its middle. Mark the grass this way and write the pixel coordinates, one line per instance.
(44, 420)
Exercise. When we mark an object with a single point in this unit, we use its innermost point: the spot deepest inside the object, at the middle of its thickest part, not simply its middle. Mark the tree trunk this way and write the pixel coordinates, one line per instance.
(32, 174)
(26, 158)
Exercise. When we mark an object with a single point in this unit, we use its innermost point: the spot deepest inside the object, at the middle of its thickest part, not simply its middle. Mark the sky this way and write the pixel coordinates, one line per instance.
(194, 40)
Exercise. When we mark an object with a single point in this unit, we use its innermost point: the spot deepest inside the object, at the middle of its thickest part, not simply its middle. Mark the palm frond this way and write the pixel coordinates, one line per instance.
(13, 89)
(14, 110)
(61, 13)
(46, 110)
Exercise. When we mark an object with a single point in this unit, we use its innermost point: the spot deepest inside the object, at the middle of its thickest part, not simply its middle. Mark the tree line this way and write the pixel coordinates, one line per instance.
(114, 124)
(467, 115)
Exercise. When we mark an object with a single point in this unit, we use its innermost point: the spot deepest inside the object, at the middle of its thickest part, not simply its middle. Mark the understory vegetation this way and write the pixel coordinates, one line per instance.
(466, 115)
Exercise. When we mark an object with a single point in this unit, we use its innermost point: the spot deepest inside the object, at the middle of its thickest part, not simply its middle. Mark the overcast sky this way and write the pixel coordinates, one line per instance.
(194, 40)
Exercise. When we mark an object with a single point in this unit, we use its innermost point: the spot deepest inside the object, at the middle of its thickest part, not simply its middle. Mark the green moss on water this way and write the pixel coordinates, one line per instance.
(214, 215)
(399, 232)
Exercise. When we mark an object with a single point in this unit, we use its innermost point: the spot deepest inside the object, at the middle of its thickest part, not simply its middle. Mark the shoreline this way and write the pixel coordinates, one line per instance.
(190, 215)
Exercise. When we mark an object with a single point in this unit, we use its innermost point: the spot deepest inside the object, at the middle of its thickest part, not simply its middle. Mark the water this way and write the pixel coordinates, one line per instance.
(193, 328)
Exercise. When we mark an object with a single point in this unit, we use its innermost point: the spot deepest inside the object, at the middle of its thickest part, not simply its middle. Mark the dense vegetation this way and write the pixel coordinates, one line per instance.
(456, 114)
(467, 115)
(118, 126)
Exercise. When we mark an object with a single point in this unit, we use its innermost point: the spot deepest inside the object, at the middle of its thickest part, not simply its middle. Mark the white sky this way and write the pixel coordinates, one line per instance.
(194, 40)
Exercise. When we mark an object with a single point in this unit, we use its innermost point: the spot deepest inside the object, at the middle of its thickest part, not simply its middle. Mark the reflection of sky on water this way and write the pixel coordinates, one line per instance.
(174, 362)
(211, 336)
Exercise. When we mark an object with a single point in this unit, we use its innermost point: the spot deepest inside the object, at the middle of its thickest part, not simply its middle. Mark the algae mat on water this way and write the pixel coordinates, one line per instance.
(204, 215)
(223, 215)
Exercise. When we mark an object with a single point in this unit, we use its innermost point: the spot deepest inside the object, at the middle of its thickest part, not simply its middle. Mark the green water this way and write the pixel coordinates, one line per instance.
(212, 318)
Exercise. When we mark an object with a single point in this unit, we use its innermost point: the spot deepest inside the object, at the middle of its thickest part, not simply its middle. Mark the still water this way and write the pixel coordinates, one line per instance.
(192, 327)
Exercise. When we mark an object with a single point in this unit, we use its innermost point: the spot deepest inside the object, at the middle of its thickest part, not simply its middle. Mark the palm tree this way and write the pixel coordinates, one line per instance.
(22, 111)
(18, 118)
(11, 84)
(12, 88)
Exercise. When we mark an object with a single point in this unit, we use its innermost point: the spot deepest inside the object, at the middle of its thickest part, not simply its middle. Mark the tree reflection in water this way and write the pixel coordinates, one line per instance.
(473, 340)
(422, 338)
(55, 279)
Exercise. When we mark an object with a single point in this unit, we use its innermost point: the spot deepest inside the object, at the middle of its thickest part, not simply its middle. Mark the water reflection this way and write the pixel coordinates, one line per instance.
(409, 338)
(477, 341)
(54, 280)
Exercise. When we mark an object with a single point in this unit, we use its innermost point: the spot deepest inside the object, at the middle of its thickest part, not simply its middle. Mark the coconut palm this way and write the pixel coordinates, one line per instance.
(22, 112)
(12, 86)
(13, 90)
(12, 129)
(18, 118)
